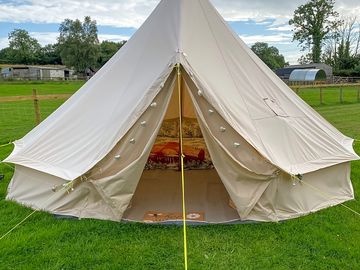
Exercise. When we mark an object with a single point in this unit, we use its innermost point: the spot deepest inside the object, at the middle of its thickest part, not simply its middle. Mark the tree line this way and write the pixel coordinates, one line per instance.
(77, 47)
(326, 37)
(322, 35)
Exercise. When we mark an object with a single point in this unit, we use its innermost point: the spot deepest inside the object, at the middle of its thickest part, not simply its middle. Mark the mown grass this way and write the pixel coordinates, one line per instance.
(21, 88)
(328, 239)
(331, 95)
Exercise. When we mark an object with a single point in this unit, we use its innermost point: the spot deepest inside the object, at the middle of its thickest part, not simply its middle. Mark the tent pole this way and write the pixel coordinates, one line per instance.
(178, 69)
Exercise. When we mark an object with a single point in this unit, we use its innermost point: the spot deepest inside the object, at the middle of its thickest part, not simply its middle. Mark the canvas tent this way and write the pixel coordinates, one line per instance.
(250, 138)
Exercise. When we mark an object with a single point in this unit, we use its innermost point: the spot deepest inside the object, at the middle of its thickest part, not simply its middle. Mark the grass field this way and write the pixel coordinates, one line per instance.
(328, 239)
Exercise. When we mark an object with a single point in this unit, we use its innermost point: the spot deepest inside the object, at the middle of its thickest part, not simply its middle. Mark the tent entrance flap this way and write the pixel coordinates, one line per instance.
(222, 191)
(159, 189)
(141, 173)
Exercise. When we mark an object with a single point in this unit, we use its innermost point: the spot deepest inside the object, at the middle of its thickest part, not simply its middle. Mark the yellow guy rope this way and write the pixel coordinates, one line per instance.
(324, 195)
(65, 187)
(6, 144)
(182, 166)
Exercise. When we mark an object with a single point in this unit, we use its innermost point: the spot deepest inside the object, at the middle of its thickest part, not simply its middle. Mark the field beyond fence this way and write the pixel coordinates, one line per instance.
(328, 239)
(24, 105)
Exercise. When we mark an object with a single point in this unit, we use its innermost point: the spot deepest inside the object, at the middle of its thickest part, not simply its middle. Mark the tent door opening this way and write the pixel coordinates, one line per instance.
(158, 195)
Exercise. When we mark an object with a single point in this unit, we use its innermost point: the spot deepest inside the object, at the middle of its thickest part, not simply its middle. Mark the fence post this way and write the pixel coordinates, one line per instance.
(36, 107)
(341, 95)
(321, 96)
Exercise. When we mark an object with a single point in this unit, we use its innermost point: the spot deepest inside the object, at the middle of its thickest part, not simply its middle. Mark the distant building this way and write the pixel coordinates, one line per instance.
(307, 75)
(37, 72)
(89, 72)
(284, 73)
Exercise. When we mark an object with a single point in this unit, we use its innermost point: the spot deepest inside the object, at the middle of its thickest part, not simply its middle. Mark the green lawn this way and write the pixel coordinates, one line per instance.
(19, 88)
(328, 239)
(331, 95)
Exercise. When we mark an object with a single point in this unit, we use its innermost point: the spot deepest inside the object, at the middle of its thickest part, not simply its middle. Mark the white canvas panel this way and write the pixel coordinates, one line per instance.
(262, 139)
(72, 139)
(286, 198)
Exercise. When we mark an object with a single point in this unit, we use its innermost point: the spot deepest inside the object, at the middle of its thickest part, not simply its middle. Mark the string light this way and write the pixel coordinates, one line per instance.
(222, 129)
(117, 157)
(211, 111)
(153, 105)
(237, 145)
(132, 141)
(143, 123)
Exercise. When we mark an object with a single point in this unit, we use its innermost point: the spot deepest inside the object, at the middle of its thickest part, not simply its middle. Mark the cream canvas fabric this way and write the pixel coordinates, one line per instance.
(270, 135)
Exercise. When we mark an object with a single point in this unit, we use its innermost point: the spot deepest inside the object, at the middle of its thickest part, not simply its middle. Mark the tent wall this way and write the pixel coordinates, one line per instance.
(258, 189)
(109, 186)
(281, 199)
(285, 198)
(33, 188)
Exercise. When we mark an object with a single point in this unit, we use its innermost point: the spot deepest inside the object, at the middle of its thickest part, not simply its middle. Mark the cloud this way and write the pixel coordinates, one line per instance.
(129, 13)
(45, 38)
(272, 15)
(278, 38)
(132, 13)
(258, 10)
(4, 42)
(114, 38)
(264, 22)
(281, 28)
(292, 57)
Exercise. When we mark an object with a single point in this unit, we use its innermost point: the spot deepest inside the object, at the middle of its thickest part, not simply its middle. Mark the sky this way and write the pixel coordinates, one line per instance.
(252, 20)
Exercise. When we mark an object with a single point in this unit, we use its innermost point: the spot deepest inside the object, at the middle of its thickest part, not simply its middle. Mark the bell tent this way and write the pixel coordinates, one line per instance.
(184, 83)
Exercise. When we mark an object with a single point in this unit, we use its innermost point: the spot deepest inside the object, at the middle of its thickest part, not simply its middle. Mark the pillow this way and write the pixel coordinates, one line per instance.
(191, 128)
(169, 128)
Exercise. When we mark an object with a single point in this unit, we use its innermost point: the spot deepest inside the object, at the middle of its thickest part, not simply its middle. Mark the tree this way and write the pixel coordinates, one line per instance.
(79, 44)
(107, 50)
(50, 55)
(314, 22)
(341, 51)
(23, 49)
(269, 55)
(5, 56)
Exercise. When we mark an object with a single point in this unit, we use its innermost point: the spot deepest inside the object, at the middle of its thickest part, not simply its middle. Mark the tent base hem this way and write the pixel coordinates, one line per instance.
(67, 215)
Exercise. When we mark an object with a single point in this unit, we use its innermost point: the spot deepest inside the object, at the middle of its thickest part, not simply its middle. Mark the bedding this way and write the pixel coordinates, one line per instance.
(165, 154)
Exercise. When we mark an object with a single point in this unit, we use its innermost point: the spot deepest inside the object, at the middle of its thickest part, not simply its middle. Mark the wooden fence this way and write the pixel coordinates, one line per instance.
(321, 88)
(36, 98)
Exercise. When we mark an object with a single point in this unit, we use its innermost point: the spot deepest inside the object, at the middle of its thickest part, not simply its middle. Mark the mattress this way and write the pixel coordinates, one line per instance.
(165, 154)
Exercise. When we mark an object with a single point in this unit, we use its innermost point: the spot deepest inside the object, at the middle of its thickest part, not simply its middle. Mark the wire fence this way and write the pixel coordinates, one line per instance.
(329, 94)
(22, 112)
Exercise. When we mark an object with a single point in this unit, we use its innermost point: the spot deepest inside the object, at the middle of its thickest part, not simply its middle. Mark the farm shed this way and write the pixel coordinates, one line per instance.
(36, 72)
(307, 75)
(284, 73)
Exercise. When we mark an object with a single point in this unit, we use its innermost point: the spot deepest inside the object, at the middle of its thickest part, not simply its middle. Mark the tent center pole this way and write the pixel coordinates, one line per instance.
(181, 153)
